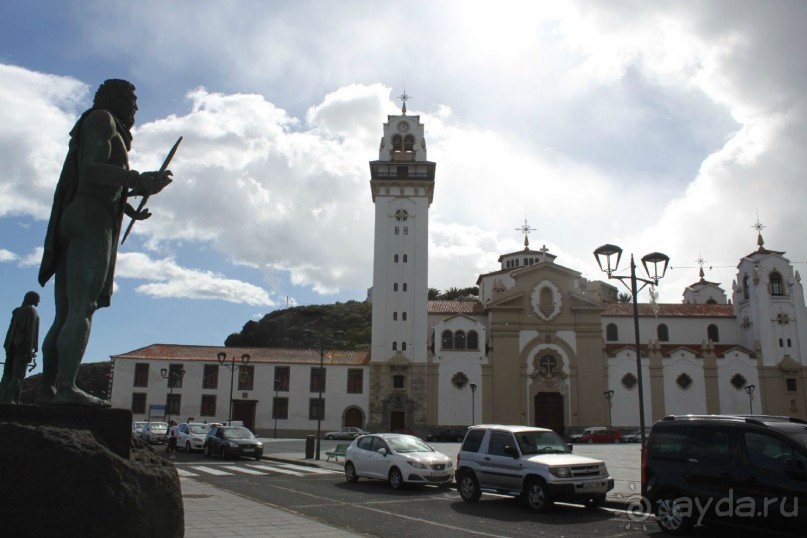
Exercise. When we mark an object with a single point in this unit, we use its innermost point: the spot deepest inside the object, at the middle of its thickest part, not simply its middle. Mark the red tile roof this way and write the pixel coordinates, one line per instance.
(170, 352)
(672, 310)
(456, 307)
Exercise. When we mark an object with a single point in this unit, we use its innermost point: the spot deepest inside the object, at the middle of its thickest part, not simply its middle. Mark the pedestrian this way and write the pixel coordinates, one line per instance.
(173, 433)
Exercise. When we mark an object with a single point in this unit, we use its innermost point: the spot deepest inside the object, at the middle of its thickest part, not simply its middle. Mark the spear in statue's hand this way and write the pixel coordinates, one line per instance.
(145, 199)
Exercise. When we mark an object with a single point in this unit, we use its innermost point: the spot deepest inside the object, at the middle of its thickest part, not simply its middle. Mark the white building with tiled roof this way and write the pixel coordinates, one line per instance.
(540, 346)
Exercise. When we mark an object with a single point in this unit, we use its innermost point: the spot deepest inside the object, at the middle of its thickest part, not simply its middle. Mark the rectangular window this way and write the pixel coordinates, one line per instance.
(173, 404)
(790, 384)
(175, 375)
(316, 409)
(281, 378)
(355, 381)
(317, 379)
(141, 376)
(210, 379)
(397, 381)
(246, 377)
(208, 405)
(138, 402)
(280, 408)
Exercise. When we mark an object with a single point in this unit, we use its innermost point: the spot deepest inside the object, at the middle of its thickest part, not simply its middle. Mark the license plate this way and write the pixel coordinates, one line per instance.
(591, 485)
(248, 450)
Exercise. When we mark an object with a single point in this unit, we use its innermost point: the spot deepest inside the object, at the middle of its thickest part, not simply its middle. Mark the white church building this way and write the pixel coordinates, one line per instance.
(540, 345)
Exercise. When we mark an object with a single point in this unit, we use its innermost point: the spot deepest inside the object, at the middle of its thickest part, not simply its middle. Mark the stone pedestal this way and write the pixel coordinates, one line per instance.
(72, 471)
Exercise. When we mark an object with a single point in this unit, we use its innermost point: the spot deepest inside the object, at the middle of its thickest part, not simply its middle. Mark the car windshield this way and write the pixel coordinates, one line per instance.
(540, 443)
(406, 445)
(159, 426)
(201, 429)
(238, 433)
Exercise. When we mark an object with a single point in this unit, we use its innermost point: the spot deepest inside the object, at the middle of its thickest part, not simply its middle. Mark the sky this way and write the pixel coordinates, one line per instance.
(656, 126)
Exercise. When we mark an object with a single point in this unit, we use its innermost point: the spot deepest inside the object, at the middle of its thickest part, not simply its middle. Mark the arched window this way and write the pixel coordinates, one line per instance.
(459, 340)
(406, 230)
(447, 340)
(777, 286)
(663, 333)
(397, 230)
(397, 143)
(404, 286)
(611, 332)
(712, 333)
(746, 288)
(403, 346)
(395, 316)
(395, 287)
(404, 258)
(409, 143)
(403, 316)
(711, 301)
(395, 345)
(395, 258)
(473, 340)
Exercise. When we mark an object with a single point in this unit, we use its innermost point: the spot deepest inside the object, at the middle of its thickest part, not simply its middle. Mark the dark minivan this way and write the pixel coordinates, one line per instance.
(746, 470)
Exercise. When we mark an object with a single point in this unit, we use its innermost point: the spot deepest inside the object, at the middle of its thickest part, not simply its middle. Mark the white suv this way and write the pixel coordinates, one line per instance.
(532, 463)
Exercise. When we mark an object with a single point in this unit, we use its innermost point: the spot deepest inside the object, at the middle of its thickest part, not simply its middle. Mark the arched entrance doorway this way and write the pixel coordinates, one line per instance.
(549, 411)
(354, 418)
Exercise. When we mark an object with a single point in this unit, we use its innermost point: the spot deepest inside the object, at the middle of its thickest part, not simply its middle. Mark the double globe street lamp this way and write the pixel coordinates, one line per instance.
(232, 366)
(655, 265)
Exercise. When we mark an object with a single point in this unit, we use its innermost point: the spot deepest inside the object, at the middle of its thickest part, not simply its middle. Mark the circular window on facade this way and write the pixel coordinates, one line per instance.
(629, 381)
(684, 381)
(459, 380)
(738, 381)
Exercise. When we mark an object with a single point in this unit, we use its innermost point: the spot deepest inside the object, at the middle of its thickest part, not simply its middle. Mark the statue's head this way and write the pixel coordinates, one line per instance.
(118, 97)
(31, 298)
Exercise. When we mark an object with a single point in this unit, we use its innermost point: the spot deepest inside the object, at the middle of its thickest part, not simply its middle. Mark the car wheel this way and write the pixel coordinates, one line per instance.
(329, 437)
(207, 451)
(672, 516)
(258, 457)
(536, 495)
(350, 473)
(188, 447)
(594, 502)
(396, 480)
(468, 487)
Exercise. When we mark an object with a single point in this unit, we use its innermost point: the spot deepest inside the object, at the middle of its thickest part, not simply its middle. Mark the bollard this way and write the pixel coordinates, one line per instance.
(309, 447)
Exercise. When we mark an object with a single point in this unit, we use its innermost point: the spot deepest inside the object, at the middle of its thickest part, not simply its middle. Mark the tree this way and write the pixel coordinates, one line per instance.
(434, 294)
(624, 297)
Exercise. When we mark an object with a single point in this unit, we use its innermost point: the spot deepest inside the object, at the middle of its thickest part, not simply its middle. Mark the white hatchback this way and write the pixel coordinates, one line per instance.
(397, 458)
(191, 435)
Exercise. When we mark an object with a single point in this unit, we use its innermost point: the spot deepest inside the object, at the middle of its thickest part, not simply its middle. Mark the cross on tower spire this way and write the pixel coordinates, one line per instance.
(701, 262)
(404, 98)
(525, 229)
(758, 227)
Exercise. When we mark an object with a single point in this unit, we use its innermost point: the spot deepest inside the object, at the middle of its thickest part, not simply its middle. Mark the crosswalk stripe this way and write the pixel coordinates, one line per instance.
(210, 470)
(185, 474)
(276, 469)
(246, 470)
(313, 470)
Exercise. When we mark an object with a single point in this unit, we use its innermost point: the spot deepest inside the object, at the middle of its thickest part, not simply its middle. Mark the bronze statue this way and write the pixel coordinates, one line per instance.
(85, 223)
(21, 344)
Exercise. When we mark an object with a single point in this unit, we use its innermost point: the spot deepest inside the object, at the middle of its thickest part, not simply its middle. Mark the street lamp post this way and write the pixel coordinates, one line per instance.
(232, 366)
(604, 254)
(609, 395)
(749, 389)
(473, 407)
(274, 404)
(173, 378)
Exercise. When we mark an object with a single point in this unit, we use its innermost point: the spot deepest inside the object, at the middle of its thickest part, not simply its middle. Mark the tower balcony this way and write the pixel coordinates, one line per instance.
(385, 170)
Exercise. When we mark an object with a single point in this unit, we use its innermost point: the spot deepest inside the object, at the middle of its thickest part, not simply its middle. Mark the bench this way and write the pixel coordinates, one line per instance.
(336, 452)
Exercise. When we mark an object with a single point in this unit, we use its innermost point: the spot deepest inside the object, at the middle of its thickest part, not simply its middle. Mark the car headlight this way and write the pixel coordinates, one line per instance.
(233, 445)
(603, 469)
(450, 464)
(416, 464)
(561, 472)
(259, 445)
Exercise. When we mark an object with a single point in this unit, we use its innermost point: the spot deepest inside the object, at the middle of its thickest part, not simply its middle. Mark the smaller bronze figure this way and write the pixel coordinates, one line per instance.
(21, 345)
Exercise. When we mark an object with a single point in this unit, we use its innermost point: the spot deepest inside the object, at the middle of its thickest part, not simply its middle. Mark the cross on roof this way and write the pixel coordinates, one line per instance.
(404, 98)
(525, 229)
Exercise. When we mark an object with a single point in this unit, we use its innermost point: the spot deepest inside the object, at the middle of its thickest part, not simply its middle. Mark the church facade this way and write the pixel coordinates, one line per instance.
(540, 345)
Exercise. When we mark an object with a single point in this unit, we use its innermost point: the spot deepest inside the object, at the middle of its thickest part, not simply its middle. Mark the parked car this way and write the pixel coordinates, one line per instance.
(232, 442)
(448, 434)
(348, 433)
(748, 470)
(397, 458)
(602, 436)
(154, 432)
(191, 435)
(575, 437)
(527, 462)
(137, 429)
(633, 437)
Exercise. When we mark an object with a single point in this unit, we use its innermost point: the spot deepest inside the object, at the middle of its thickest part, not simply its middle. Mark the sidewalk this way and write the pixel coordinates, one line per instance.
(213, 512)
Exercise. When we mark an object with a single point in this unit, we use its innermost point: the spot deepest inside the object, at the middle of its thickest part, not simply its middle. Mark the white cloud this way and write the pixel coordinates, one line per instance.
(7, 255)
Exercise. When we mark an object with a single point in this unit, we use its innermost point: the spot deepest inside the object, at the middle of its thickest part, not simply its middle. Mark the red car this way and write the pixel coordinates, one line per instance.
(602, 436)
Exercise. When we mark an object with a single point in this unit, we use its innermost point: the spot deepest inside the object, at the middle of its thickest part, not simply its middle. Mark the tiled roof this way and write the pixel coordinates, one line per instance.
(169, 352)
(456, 307)
(672, 310)
(667, 350)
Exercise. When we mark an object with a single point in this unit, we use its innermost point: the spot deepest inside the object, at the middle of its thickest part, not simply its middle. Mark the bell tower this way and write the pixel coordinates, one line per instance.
(402, 186)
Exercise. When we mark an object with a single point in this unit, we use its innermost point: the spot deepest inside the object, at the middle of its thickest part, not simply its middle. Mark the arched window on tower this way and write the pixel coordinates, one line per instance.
(395, 316)
(395, 287)
(473, 340)
(397, 143)
(663, 333)
(403, 346)
(777, 286)
(395, 345)
(404, 258)
(409, 143)
(403, 316)
(712, 333)
(611, 332)
(447, 340)
(404, 286)
(395, 258)
(397, 230)
(459, 340)
(406, 230)
(746, 289)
